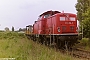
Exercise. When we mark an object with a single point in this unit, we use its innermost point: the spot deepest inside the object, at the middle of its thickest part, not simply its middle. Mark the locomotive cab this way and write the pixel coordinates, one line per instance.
(67, 23)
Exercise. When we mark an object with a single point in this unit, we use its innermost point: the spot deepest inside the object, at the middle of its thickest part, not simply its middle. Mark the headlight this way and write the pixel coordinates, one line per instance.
(58, 29)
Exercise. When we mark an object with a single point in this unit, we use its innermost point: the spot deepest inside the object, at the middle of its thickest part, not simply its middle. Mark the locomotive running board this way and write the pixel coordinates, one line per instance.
(65, 34)
(59, 34)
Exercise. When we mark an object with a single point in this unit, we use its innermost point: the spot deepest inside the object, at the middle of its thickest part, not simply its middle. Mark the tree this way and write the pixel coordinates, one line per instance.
(83, 13)
(6, 29)
(81, 7)
(86, 23)
(20, 29)
(12, 28)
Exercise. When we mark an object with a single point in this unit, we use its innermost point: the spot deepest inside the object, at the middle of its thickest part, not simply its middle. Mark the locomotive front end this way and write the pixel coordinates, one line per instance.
(67, 28)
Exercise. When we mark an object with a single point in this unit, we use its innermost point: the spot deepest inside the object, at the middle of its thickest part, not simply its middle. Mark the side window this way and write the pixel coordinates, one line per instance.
(46, 16)
(72, 18)
(62, 18)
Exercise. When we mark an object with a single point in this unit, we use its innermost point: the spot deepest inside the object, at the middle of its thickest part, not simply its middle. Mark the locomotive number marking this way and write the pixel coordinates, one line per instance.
(68, 22)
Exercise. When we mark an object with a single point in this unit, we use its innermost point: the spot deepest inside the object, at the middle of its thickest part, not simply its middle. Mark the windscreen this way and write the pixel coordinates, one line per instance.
(72, 18)
(62, 19)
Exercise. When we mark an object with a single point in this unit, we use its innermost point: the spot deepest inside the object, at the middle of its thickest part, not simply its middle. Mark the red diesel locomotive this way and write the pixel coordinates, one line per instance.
(55, 28)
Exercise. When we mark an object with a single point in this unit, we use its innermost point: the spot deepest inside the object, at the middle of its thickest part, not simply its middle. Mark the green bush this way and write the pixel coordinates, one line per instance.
(85, 42)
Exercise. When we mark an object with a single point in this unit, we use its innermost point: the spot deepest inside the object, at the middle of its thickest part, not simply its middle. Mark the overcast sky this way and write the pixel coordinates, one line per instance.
(19, 13)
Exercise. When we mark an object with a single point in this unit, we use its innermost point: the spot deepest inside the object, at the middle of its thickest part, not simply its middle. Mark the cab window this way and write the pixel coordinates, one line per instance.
(62, 18)
(72, 18)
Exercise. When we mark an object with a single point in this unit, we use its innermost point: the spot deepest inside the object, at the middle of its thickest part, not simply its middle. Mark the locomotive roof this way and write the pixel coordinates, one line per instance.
(72, 14)
(50, 12)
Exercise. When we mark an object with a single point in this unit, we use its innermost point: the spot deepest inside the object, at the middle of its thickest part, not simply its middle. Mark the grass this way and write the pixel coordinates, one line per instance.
(84, 43)
(16, 45)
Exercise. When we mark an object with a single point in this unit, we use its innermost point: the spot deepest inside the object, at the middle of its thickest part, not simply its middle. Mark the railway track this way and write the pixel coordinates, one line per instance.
(76, 52)
(79, 53)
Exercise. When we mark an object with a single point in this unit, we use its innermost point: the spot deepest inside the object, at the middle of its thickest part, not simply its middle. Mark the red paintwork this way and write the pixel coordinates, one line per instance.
(52, 23)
